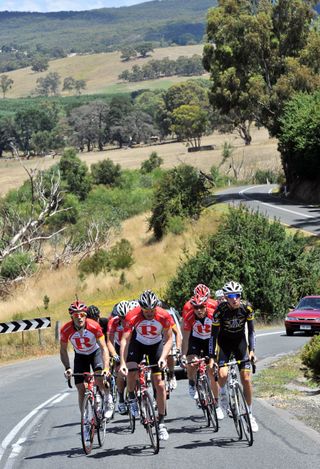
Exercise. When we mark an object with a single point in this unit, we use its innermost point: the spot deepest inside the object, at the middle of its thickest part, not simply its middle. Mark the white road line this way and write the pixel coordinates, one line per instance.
(8, 439)
(270, 333)
(274, 206)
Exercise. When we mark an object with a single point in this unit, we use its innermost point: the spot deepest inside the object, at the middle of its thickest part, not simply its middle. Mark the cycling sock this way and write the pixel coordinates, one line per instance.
(192, 382)
(250, 409)
(171, 374)
(160, 418)
(121, 396)
(132, 395)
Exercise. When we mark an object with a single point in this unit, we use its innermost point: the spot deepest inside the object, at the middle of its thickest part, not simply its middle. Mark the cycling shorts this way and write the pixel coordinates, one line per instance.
(198, 347)
(83, 363)
(136, 351)
(238, 347)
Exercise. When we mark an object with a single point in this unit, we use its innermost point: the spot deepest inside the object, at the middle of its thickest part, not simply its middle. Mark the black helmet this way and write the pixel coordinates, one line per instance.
(93, 312)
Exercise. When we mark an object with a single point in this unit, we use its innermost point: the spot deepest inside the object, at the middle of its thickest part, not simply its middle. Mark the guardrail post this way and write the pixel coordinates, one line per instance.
(57, 331)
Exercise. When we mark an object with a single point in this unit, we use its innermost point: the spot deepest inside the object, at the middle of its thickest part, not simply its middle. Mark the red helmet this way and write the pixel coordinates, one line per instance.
(77, 307)
(198, 300)
(202, 290)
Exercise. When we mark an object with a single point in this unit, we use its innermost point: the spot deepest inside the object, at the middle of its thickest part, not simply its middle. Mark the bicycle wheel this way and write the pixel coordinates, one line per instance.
(149, 421)
(234, 408)
(114, 393)
(101, 422)
(244, 417)
(210, 407)
(132, 419)
(88, 423)
(201, 401)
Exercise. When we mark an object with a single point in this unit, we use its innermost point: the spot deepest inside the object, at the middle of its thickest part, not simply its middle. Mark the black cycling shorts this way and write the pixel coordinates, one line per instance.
(236, 346)
(136, 351)
(83, 363)
(198, 347)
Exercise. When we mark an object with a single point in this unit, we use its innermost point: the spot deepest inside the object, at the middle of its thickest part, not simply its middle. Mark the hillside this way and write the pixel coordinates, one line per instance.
(100, 71)
(163, 21)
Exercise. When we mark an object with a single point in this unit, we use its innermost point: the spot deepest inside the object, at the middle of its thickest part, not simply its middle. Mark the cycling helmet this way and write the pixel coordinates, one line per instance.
(93, 312)
(133, 304)
(232, 287)
(198, 300)
(148, 300)
(77, 307)
(123, 308)
(219, 294)
(202, 290)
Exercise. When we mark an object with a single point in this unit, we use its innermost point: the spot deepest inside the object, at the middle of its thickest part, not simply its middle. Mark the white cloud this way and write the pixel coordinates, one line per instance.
(62, 5)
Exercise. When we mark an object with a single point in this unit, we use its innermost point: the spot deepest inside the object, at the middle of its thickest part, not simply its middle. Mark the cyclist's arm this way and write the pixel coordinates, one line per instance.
(251, 336)
(167, 336)
(110, 345)
(177, 333)
(64, 357)
(105, 353)
(213, 341)
(185, 341)
(124, 345)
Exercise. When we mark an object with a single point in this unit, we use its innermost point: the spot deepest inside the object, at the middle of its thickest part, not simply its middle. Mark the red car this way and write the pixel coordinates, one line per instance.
(305, 317)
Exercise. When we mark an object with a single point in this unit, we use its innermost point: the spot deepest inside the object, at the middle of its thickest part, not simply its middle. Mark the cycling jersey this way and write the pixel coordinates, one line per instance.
(199, 327)
(115, 327)
(84, 341)
(211, 303)
(148, 332)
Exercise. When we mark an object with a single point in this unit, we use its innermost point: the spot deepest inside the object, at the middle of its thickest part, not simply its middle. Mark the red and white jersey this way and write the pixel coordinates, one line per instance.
(148, 332)
(211, 303)
(84, 341)
(115, 327)
(201, 329)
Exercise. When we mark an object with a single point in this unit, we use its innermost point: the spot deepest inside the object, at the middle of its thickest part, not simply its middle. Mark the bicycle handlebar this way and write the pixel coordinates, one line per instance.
(237, 362)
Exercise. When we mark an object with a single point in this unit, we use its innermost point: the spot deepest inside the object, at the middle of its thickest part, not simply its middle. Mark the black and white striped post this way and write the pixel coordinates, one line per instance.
(25, 325)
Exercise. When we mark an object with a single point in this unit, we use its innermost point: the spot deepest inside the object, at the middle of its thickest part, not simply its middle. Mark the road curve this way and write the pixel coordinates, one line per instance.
(40, 426)
(259, 197)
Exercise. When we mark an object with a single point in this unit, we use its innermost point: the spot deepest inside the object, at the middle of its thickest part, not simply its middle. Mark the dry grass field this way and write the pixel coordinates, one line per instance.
(261, 154)
(101, 71)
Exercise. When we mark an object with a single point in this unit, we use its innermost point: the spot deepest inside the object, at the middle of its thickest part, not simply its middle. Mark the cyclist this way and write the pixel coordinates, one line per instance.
(115, 330)
(219, 295)
(90, 349)
(228, 330)
(94, 313)
(196, 331)
(147, 331)
(203, 291)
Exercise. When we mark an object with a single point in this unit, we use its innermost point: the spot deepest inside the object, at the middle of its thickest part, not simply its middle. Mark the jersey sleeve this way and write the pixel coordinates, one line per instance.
(65, 333)
(216, 318)
(188, 322)
(250, 312)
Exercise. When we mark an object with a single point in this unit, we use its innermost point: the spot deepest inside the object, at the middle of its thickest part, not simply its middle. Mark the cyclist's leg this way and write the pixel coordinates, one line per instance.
(154, 352)
(245, 371)
(81, 365)
(135, 355)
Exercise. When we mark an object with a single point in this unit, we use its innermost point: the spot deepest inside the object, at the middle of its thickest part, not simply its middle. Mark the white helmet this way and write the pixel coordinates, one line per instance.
(123, 308)
(219, 294)
(232, 287)
(148, 300)
(133, 304)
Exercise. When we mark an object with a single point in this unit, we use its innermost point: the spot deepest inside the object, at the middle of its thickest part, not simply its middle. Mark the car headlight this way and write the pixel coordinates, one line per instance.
(290, 318)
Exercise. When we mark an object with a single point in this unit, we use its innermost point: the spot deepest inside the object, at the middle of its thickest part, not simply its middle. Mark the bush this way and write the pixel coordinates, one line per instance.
(106, 172)
(95, 264)
(152, 163)
(263, 176)
(275, 268)
(121, 255)
(16, 264)
(176, 225)
(74, 174)
(310, 355)
(218, 179)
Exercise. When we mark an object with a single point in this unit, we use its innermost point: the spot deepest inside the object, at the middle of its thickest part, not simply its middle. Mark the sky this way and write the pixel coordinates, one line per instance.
(63, 5)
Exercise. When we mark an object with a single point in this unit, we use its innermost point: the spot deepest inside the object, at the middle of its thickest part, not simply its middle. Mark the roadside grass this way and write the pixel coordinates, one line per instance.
(99, 70)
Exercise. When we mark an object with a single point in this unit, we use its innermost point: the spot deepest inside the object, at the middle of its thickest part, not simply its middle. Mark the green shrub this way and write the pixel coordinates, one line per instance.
(263, 176)
(176, 225)
(106, 172)
(16, 264)
(154, 161)
(275, 268)
(219, 180)
(95, 264)
(310, 355)
(121, 255)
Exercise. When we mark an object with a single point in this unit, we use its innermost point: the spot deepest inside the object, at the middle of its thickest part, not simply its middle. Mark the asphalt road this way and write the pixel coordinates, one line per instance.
(40, 426)
(301, 216)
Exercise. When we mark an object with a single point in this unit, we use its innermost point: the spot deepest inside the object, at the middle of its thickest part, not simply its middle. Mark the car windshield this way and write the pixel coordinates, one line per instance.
(309, 303)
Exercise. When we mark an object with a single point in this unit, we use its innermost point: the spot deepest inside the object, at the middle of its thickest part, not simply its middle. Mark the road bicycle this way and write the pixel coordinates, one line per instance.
(206, 400)
(145, 403)
(92, 412)
(237, 406)
(112, 384)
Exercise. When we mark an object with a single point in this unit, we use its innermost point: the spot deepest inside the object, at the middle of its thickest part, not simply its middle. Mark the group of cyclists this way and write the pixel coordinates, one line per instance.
(213, 328)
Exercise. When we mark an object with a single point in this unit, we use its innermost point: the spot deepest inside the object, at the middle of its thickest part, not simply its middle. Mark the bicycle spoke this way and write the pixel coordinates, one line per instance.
(234, 408)
(88, 424)
(244, 417)
(149, 421)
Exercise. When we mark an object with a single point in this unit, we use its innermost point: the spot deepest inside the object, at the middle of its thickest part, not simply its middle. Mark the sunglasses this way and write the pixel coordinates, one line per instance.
(199, 308)
(151, 310)
(233, 295)
(79, 315)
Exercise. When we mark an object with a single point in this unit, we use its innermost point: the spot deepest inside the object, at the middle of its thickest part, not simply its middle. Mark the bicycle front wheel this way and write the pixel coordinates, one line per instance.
(244, 417)
(88, 423)
(210, 407)
(234, 409)
(149, 421)
(101, 423)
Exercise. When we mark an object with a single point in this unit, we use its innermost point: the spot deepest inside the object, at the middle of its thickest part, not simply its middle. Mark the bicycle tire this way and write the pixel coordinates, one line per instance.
(244, 417)
(88, 423)
(149, 420)
(114, 394)
(132, 419)
(101, 424)
(201, 397)
(234, 408)
(211, 413)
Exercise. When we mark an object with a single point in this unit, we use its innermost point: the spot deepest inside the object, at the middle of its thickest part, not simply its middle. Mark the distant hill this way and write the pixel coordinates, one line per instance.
(55, 34)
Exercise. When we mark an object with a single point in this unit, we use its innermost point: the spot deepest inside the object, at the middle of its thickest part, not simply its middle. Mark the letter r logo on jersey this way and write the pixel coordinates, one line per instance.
(82, 342)
(148, 330)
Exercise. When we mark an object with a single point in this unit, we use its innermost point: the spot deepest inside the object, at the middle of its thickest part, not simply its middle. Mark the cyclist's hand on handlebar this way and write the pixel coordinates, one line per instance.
(124, 369)
(105, 372)
(68, 373)
(252, 357)
(162, 363)
(116, 358)
(183, 361)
